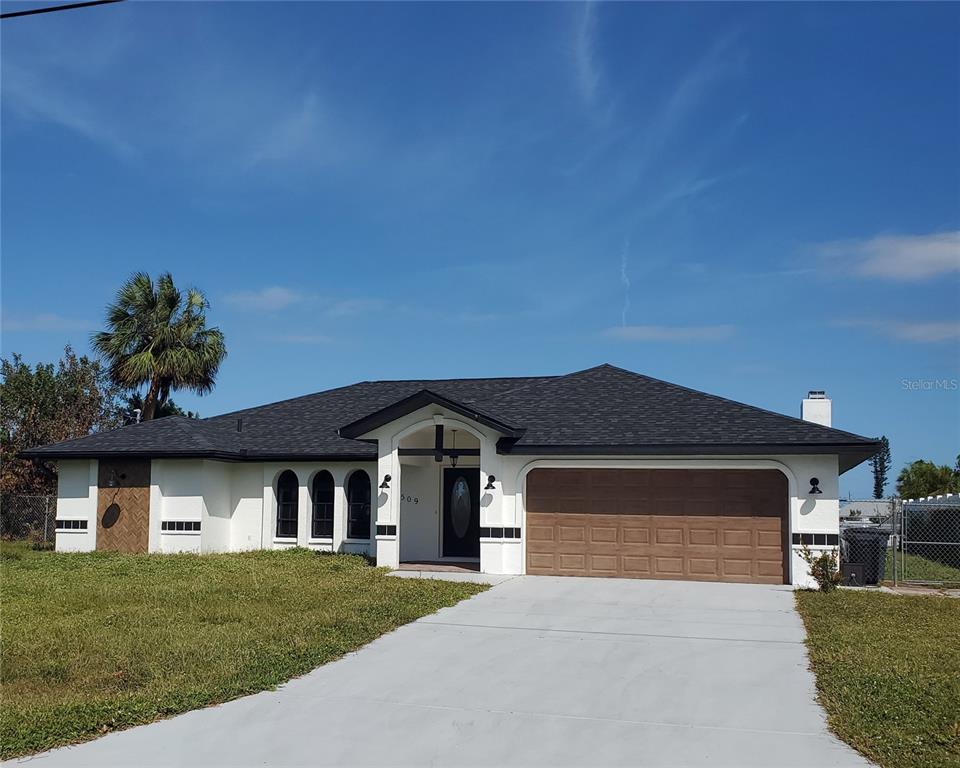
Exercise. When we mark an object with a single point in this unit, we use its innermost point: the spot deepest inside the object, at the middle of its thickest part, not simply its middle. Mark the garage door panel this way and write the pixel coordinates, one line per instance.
(603, 534)
(768, 539)
(541, 561)
(634, 534)
(670, 535)
(735, 508)
(705, 507)
(667, 506)
(725, 525)
(571, 533)
(575, 563)
(769, 568)
(540, 532)
(636, 506)
(668, 566)
(703, 566)
(603, 565)
(740, 568)
(703, 537)
(737, 537)
(634, 565)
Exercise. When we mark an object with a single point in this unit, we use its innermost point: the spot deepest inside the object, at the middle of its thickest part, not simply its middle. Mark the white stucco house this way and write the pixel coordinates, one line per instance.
(602, 472)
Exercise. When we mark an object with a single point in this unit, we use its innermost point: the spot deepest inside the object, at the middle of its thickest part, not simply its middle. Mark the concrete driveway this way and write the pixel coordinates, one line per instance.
(537, 671)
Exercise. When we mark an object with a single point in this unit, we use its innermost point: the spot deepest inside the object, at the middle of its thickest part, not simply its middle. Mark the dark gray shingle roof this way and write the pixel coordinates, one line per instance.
(599, 410)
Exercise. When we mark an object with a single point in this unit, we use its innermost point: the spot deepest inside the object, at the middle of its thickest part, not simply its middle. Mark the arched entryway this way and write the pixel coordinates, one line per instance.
(439, 495)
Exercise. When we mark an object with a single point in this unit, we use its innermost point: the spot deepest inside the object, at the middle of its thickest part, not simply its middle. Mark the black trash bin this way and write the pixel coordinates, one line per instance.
(867, 547)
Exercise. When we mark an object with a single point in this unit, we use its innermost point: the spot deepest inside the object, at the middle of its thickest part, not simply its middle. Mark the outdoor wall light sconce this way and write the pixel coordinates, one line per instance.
(386, 483)
(114, 481)
(815, 486)
(490, 481)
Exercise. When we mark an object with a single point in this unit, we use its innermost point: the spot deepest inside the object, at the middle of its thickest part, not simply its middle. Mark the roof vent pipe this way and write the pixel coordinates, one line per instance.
(239, 425)
(817, 408)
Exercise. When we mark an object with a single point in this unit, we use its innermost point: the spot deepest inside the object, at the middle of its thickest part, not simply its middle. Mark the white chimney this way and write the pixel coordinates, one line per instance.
(816, 407)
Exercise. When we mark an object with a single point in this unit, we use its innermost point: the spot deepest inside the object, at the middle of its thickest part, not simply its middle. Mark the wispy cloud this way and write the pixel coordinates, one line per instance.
(671, 332)
(45, 322)
(687, 95)
(353, 307)
(586, 70)
(268, 299)
(909, 331)
(296, 135)
(625, 281)
(906, 258)
(38, 101)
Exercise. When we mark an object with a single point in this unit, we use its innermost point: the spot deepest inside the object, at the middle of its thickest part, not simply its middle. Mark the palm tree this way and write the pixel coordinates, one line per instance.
(157, 338)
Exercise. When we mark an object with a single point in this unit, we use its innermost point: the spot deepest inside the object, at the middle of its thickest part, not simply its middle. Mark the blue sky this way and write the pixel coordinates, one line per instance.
(752, 200)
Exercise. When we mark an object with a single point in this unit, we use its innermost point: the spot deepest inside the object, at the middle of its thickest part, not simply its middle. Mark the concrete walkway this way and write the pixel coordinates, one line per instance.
(537, 671)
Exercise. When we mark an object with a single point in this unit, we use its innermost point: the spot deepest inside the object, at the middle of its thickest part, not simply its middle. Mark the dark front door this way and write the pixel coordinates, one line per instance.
(461, 512)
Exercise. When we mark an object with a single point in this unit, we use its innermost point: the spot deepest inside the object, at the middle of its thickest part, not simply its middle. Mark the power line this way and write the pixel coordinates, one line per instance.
(52, 8)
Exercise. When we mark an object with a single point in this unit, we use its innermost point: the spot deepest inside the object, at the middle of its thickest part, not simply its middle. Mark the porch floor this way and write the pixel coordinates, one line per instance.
(444, 566)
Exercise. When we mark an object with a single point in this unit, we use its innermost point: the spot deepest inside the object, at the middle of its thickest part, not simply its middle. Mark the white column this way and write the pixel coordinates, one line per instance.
(303, 508)
(387, 504)
(156, 507)
(339, 508)
(93, 500)
(269, 507)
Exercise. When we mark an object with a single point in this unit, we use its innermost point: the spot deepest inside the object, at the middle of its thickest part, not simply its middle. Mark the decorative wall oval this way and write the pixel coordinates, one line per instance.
(460, 507)
(110, 516)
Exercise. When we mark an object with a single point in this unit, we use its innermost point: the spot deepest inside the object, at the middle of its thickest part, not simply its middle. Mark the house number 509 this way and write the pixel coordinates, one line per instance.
(410, 499)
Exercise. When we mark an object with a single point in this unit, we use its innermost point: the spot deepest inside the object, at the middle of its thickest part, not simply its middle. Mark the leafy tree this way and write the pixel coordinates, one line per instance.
(924, 478)
(159, 338)
(881, 465)
(169, 408)
(47, 403)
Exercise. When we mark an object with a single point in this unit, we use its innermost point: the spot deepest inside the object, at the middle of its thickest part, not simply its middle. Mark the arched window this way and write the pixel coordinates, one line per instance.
(288, 492)
(358, 506)
(322, 520)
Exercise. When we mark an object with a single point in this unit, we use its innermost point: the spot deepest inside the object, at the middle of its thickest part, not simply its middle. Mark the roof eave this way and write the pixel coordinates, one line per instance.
(214, 455)
(851, 454)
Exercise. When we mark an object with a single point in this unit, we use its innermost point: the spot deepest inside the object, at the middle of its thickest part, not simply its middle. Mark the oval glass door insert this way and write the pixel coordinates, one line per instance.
(460, 507)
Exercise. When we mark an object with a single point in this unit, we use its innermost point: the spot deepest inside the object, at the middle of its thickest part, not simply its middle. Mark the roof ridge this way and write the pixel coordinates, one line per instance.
(456, 378)
(529, 383)
(368, 381)
(285, 400)
(728, 400)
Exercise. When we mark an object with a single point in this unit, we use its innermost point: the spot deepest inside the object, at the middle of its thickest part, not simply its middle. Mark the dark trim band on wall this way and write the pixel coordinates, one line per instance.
(180, 526)
(816, 539)
(499, 533)
(71, 525)
(386, 530)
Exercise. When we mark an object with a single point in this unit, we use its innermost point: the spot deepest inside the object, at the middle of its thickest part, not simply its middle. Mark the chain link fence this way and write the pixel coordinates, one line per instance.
(927, 547)
(31, 518)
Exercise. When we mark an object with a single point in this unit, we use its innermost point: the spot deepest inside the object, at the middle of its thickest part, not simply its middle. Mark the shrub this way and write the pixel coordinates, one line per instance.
(824, 567)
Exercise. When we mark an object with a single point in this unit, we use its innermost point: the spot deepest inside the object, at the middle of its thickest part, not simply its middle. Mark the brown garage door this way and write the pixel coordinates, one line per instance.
(705, 525)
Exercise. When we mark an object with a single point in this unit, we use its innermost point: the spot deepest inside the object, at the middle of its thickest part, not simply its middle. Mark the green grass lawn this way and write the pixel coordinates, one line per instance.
(888, 673)
(917, 567)
(96, 642)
